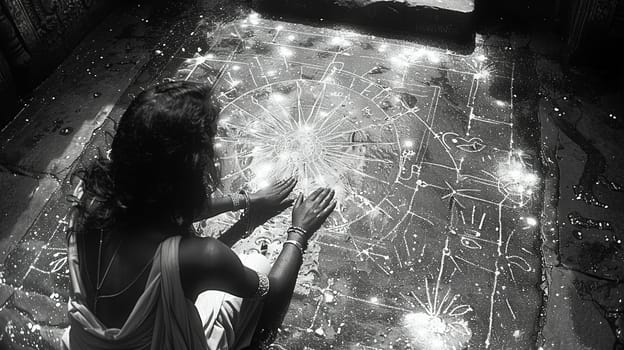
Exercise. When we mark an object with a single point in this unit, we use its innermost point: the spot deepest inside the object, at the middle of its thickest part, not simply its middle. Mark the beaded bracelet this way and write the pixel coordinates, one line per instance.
(296, 244)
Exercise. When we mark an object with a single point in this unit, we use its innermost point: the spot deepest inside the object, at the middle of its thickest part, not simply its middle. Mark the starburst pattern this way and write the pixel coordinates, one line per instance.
(441, 326)
(313, 130)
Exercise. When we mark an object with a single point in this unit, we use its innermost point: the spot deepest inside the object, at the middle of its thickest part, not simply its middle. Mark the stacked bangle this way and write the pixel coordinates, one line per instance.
(246, 213)
(297, 230)
(240, 200)
(302, 234)
(246, 198)
(296, 244)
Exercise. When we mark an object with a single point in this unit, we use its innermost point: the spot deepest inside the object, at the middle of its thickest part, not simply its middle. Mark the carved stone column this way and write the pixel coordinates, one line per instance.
(11, 43)
(47, 30)
(8, 98)
(592, 25)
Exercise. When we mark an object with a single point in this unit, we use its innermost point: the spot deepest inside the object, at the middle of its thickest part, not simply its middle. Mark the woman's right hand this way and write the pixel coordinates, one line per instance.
(311, 212)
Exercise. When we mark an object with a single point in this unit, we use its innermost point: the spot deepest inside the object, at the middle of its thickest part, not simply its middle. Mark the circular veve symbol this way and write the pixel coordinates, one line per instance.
(325, 134)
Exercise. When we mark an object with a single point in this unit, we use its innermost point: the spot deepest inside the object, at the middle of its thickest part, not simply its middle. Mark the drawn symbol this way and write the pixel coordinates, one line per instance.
(379, 69)
(366, 112)
(441, 325)
(470, 243)
(409, 99)
(460, 310)
(385, 105)
(520, 262)
(471, 145)
(61, 260)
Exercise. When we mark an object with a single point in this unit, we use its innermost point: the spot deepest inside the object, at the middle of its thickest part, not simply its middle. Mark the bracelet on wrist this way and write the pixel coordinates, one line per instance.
(246, 199)
(298, 231)
(246, 214)
(296, 244)
(299, 235)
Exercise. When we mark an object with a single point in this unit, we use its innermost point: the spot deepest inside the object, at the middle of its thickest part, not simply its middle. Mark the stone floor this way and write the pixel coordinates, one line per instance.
(480, 192)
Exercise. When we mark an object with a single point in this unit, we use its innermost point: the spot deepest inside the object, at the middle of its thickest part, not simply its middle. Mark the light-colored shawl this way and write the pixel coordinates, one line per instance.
(163, 318)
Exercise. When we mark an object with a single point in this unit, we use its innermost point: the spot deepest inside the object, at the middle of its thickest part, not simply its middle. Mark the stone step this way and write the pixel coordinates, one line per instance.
(447, 20)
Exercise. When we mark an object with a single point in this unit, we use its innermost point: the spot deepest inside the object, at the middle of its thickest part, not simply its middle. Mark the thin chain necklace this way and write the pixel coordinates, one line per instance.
(100, 281)
(134, 280)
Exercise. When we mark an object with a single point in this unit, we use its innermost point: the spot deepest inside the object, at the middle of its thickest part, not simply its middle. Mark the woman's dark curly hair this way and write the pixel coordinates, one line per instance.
(162, 164)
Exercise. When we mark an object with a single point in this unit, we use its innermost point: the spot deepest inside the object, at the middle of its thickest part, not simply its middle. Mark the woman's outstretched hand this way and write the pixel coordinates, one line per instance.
(271, 200)
(310, 213)
(274, 197)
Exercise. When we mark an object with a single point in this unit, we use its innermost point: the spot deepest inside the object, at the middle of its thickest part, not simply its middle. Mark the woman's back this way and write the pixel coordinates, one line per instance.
(161, 318)
(124, 260)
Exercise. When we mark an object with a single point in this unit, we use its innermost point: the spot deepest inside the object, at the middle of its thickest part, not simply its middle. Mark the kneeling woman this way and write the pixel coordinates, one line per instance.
(141, 278)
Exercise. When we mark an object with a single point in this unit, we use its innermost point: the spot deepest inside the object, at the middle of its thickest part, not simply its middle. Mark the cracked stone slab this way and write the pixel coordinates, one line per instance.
(549, 220)
(41, 308)
(23, 199)
(17, 331)
(6, 292)
(592, 250)
(38, 262)
(583, 266)
(572, 319)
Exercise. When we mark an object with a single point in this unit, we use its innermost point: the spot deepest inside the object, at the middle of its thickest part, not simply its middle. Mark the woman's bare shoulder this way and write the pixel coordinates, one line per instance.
(197, 251)
(206, 263)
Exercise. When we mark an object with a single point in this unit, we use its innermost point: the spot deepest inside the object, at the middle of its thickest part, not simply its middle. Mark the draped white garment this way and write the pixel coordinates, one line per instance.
(163, 318)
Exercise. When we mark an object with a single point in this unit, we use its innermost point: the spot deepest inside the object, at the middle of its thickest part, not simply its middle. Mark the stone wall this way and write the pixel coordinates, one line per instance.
(7, 90)
(593, 29)
(36, 35)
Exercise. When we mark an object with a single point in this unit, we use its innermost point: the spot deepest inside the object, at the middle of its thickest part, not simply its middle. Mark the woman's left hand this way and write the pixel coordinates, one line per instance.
(273, 197)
